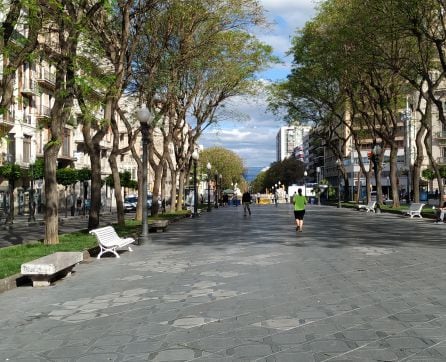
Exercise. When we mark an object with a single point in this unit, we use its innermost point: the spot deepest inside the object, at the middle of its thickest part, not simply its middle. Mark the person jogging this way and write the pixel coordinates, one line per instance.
(299, 209)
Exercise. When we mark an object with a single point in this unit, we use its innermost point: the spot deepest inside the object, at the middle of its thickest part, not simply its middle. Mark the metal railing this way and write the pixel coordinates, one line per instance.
(43, 111)
(47, 76)
(441, 134)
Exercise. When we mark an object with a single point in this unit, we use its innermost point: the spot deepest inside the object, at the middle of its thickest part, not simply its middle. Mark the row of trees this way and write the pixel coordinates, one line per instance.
(354, 66)
(182, 59)
(288, 171)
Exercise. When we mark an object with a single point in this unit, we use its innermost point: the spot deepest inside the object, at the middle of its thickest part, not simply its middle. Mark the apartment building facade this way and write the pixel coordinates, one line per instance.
(290, 142)
(24, 133)
(407, 126)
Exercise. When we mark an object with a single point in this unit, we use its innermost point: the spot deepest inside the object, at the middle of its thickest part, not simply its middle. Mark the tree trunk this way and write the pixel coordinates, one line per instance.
(173, 190)
(95, 192)
(138, 213)
(180, 190)
(163, 185)
(11, 211)
(118, 191)
(416, 171)
(51, 194)
(358, 192)
(158, 171)
(394, 177)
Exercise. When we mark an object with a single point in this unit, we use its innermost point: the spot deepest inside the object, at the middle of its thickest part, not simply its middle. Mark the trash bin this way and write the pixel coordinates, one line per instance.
(312, 201)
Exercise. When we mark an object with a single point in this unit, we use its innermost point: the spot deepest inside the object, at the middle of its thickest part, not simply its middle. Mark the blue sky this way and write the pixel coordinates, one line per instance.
(251, 130)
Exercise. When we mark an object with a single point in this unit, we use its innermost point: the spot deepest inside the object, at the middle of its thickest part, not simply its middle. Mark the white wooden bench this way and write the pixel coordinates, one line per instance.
(414, 210)
(44, 270)
(370, 207)
(109, 241)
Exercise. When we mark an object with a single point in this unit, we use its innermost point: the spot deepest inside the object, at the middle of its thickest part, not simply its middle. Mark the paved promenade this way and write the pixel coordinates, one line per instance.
(351, 287)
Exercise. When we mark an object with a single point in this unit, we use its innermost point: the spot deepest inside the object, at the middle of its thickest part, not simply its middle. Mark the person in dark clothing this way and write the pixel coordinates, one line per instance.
(225, 199)
(246, 201)
(79, 205)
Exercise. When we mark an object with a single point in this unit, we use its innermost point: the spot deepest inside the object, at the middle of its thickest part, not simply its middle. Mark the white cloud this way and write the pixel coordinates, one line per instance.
(253, 137)
(290, 9)
(280, 42)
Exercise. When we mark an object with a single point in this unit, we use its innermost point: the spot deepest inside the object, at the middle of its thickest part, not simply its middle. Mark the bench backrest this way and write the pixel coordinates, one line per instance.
(106, 236)
(416, 206)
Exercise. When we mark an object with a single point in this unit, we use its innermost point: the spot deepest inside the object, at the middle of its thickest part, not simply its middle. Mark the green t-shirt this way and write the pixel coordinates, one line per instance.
(299, 202)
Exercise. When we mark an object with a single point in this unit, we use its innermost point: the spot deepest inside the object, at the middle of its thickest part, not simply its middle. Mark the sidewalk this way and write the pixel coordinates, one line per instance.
(224, 287)
(22, 231)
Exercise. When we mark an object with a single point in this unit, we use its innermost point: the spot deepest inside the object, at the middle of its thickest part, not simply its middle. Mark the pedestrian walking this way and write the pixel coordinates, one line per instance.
(79, 205)
(246, 201)
(234, 200)
(299, 202)
(225, 199)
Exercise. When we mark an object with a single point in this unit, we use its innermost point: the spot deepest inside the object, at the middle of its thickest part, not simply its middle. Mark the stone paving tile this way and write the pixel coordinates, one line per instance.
(353, 291)
(436, 352)
(368, 355)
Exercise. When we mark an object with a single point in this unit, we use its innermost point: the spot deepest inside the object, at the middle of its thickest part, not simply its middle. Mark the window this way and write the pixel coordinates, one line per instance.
(26, 148)
(11, 147)
(66, 142)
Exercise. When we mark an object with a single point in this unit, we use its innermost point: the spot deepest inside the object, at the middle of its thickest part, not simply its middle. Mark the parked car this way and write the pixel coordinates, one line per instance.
(130, 203)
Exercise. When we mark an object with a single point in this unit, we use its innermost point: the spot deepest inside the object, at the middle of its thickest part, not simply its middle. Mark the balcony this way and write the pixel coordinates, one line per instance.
(43, 112)
(441, 160)
(47, 78)
(30, 88)
(440, 135)
(7, 118)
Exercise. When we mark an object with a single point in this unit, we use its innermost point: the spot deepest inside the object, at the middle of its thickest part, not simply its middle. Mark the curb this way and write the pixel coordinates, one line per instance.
(18, 280)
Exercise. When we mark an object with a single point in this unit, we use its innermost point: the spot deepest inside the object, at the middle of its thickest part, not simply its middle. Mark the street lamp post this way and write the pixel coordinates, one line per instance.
(338, 163)
(85, 196)
(208, 166)
(318, 171)
(276, 195)
(39, 196)
(143, 115)
(32, 207)
(376, 151)
(10, 216)
(220, 190)
(305, 182)
(195, 156)
(216, 190)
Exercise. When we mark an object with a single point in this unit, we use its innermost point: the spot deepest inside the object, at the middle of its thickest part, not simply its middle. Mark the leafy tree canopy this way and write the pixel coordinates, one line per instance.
(11, 171)
(223, 162)
(66, 176)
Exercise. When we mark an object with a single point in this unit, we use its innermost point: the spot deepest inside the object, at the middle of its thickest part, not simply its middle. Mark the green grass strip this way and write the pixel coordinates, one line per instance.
(12, 257)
